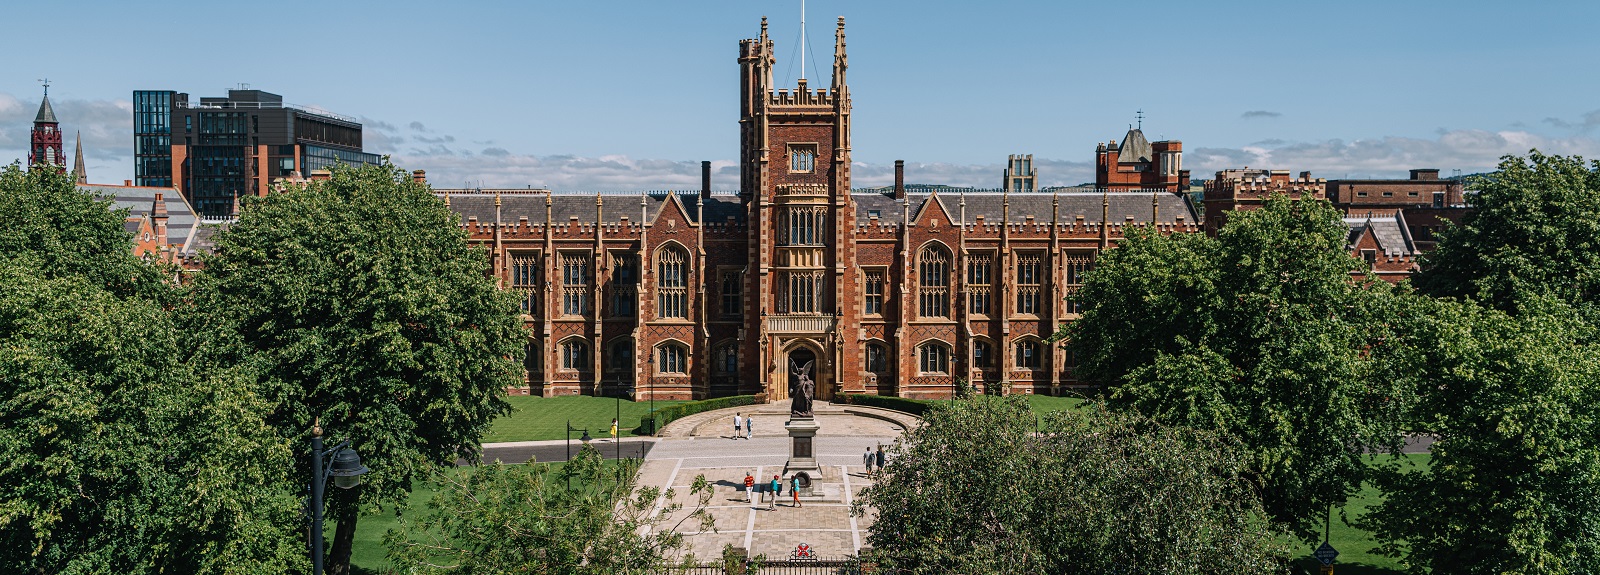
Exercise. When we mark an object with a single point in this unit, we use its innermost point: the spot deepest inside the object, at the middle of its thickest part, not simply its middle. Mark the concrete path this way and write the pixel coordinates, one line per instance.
(704, 445)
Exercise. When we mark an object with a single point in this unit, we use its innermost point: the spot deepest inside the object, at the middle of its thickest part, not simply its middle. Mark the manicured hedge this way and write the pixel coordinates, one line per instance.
(912, 406)
(661, 417)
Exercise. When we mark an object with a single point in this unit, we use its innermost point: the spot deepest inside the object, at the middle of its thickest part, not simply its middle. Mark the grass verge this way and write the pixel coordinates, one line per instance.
(543, 418)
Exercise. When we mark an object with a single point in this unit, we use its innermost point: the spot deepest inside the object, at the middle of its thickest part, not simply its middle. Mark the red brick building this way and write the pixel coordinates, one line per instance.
(1138, 164)
(692, 295)
(1246, 189)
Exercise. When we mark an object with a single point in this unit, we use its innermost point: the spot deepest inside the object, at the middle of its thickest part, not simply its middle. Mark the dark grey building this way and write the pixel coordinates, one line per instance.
(217, 149)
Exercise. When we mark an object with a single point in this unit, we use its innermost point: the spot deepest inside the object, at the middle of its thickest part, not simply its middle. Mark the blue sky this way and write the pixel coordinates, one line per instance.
(627, 95)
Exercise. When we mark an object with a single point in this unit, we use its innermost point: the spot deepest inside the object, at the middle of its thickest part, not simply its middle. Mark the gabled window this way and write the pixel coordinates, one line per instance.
(672, 287)
(934, 290)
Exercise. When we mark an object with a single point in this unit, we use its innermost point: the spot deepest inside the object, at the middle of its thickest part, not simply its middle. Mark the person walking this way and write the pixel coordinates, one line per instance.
(867, 459)
(749, 427)
(777, 489)
(794, 489)
(749, 486)
(880, 459)
(738, 425)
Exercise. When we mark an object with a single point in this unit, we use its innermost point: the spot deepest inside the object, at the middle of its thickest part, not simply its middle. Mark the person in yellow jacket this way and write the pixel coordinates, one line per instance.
(614, 431)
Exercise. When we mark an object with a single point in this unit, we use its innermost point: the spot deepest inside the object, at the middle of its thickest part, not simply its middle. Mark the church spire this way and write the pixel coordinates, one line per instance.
(80, 170)
(45, 146)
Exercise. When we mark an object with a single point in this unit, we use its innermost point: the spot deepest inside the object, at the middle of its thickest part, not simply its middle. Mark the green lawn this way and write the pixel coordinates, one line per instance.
(1043, 404)
(369, 555)
(1355, 545)
(539, 418)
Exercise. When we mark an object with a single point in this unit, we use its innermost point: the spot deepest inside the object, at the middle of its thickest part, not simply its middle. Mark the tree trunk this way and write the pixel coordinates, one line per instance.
(344, 537)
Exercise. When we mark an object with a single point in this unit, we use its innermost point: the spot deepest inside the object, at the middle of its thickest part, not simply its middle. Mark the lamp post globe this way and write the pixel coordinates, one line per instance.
(347, 469)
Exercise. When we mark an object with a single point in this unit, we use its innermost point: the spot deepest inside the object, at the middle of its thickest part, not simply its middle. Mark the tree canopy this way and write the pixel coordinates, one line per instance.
(120, 457)
(1534, 229)
(583, 518)
(357, 301)
(1260, 334)
(976, 490)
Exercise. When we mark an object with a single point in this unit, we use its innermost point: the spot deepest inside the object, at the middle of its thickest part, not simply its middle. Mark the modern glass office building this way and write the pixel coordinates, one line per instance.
(217, 149)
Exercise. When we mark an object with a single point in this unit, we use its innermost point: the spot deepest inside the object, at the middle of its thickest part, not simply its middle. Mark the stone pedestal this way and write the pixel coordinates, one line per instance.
(802, 446)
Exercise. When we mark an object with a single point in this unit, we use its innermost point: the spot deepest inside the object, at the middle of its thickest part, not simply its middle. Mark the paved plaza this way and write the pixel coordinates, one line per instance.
(703, 445)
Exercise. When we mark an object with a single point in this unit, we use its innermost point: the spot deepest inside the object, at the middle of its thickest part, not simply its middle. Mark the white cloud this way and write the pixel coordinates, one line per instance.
(1467, 150)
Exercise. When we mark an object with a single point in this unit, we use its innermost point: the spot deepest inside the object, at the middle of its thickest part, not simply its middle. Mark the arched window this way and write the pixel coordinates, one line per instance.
(982, 355)
(726, 360)
(934, 357)
(620, 355)
(530, 361)
(934, 290)
(672, 287)
(672, 358)
(877, 358)
(575, 355)
(1028, 354)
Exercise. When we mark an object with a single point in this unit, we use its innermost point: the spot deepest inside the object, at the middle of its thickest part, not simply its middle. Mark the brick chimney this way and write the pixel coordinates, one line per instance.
(419, 176)
(158, 215)
(899, 179)
(705, 179)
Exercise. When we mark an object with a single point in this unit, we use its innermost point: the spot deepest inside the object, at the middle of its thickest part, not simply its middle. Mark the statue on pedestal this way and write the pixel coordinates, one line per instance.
(800, 405)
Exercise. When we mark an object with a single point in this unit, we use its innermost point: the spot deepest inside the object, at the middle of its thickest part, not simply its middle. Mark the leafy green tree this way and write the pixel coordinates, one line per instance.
(358, 301)
(63, 231)
(976, 490)
(1260, 334)
(1514, 480)
(121, 459)
(583, 518)
(1535, 229)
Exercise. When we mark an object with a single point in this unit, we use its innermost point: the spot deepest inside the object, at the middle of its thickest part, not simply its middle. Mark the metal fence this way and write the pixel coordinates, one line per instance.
(832, 566)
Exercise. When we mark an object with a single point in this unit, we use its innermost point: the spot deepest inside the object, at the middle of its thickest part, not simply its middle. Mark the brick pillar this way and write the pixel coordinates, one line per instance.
(900, 180)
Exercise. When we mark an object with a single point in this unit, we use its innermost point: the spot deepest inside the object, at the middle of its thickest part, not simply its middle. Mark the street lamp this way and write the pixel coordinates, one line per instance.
(341, 463)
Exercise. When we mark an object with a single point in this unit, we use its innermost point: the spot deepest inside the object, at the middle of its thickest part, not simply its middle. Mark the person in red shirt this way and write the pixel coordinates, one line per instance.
(749, 486)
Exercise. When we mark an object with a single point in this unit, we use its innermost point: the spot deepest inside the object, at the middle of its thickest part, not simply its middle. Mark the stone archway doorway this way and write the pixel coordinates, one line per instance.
(800, 355)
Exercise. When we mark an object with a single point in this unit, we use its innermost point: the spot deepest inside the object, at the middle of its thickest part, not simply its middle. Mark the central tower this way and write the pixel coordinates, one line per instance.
(795, 186)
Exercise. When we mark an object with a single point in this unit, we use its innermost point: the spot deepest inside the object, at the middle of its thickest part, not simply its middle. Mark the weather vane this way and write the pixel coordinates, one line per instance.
(1140, 116)
(46, 82)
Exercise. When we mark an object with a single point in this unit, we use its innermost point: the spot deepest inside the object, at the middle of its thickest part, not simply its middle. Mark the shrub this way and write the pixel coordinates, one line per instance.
(665, 415)
(912, 406)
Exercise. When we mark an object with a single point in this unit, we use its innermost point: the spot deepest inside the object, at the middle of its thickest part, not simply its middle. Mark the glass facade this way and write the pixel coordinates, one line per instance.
(320, 158)
(152, 138)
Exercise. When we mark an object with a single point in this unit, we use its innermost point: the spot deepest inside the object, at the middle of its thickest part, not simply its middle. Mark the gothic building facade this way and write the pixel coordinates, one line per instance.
(897, 292)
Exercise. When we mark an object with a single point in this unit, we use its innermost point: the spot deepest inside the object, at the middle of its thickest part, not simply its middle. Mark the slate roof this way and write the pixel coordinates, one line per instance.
(46, 113)
(720, 207)
(1388, 231)
(181, 220)
(1135, 148)
(564, 206)
(991, 205)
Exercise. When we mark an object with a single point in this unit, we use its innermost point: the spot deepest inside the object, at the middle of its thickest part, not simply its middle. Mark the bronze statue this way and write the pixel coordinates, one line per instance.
(800, 403)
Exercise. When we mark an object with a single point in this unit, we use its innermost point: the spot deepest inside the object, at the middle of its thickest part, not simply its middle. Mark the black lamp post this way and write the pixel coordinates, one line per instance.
(344, 465)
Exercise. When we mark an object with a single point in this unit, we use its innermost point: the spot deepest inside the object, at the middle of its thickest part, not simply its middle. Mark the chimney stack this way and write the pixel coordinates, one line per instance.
(158, 215)
(419, 176)
(899, 179)
(705, 179)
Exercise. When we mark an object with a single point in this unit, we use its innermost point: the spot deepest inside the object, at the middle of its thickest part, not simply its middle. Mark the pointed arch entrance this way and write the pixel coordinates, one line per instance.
(798, 353)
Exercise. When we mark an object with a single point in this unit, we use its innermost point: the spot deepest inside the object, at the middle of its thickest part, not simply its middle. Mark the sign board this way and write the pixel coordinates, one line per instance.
(1326, 553)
